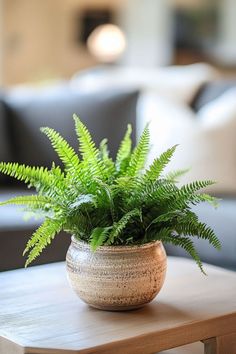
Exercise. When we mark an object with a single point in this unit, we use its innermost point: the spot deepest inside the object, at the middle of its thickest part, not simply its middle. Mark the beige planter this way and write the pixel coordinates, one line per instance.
(116, 277)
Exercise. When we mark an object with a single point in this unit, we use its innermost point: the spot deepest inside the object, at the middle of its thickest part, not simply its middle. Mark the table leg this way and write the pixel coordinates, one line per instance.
(221, 345)
(8, 347)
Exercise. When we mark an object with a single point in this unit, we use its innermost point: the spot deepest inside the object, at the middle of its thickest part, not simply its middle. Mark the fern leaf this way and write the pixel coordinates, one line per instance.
(57, 172)
(187, 194)
(34, 201)
(103, 150)
(188, 246)
(207, 198)
(139, 155)
(38, 177)
(106, 188)
(193, 187)
(66, 153)
(166, 235)
(124, 151)
(104, 156)
(41, 238)
(99, 236)
(166, 217)
(175, 175)
(192, 227)
(119, 226)
(158, 192)
(82, 200)
(88, 149)
(158, 165)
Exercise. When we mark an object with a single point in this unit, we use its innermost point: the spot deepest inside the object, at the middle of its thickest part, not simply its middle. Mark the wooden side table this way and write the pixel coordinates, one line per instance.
(40, 314)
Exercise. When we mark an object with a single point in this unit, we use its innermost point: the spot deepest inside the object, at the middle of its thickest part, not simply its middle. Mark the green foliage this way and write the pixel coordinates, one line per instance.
(123, 154)
(106, 202)
(99, 236)
(174, 176)
(119, 226)
(158, 165)
(41, 238)
(139, 155)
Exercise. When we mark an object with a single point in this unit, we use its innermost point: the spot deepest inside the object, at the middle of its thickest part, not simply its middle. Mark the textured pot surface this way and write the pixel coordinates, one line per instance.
(116, 277)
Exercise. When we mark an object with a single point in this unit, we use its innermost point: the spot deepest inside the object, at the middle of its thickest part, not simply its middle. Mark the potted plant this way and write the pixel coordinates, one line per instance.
(118, 213)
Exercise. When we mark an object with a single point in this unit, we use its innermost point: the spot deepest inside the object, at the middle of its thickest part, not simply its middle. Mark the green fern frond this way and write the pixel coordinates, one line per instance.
(139, 155)
(126, 184)
(104, 156)
(158, 192)
(119, 226)
(187, 194)
(34, 201)
(207, 198)
(193, 227)
(41, 238)
(193, 187)
(124, 151)
(65, 152)
(175, 175)
(150, 194)
(99, 236)
(57, 172)
(107, 190)
(166, 235)
(81, 200)
(103, 149)
(87, 146)
(163, 218)
(188, 246)
(88, 149)
(158, 165)
(38, 177)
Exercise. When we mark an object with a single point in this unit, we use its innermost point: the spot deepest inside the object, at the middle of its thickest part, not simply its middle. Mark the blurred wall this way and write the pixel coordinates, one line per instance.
(39, 38)
(1, 42)
(226, 48)
(148, 27)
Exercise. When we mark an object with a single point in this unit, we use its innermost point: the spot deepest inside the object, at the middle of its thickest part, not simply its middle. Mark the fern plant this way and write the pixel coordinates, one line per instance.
(106, 202)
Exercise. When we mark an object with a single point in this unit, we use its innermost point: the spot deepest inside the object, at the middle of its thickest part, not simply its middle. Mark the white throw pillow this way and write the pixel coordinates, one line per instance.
(207, 140)
(176, 82)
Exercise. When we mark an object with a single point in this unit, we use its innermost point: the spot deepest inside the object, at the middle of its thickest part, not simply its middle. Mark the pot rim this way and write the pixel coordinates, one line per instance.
(128, 248)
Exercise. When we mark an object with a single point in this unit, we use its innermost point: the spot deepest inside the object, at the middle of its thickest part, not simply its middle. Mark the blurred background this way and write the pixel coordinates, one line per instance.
(171, 63)
(45, 40)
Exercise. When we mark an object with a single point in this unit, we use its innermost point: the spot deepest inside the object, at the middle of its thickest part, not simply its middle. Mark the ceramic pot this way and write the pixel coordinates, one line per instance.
(116, 278)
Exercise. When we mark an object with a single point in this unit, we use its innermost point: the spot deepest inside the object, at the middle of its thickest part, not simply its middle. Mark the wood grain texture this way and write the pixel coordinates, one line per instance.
(40, 313)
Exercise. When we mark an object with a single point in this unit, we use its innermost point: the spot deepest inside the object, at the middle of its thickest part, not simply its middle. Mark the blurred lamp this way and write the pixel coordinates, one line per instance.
(106, 43)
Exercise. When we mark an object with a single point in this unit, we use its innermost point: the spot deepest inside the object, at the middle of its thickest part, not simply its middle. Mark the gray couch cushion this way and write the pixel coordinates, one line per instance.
(5, 147)
(223, 221)
(11, 216)
(106, 114)
(13, 244)
(211, 91)
(15, 232)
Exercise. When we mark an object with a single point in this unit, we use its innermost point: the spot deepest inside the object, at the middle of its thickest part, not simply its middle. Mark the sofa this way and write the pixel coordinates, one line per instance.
(106, 112)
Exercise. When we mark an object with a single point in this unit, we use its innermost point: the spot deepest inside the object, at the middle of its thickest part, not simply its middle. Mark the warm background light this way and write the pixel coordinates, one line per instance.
(106, 43)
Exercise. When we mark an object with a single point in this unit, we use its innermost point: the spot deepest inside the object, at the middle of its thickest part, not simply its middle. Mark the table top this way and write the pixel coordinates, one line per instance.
(40, 313)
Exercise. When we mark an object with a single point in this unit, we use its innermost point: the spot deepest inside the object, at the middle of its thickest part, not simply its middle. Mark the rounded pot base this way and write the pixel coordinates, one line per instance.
(117, 308)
